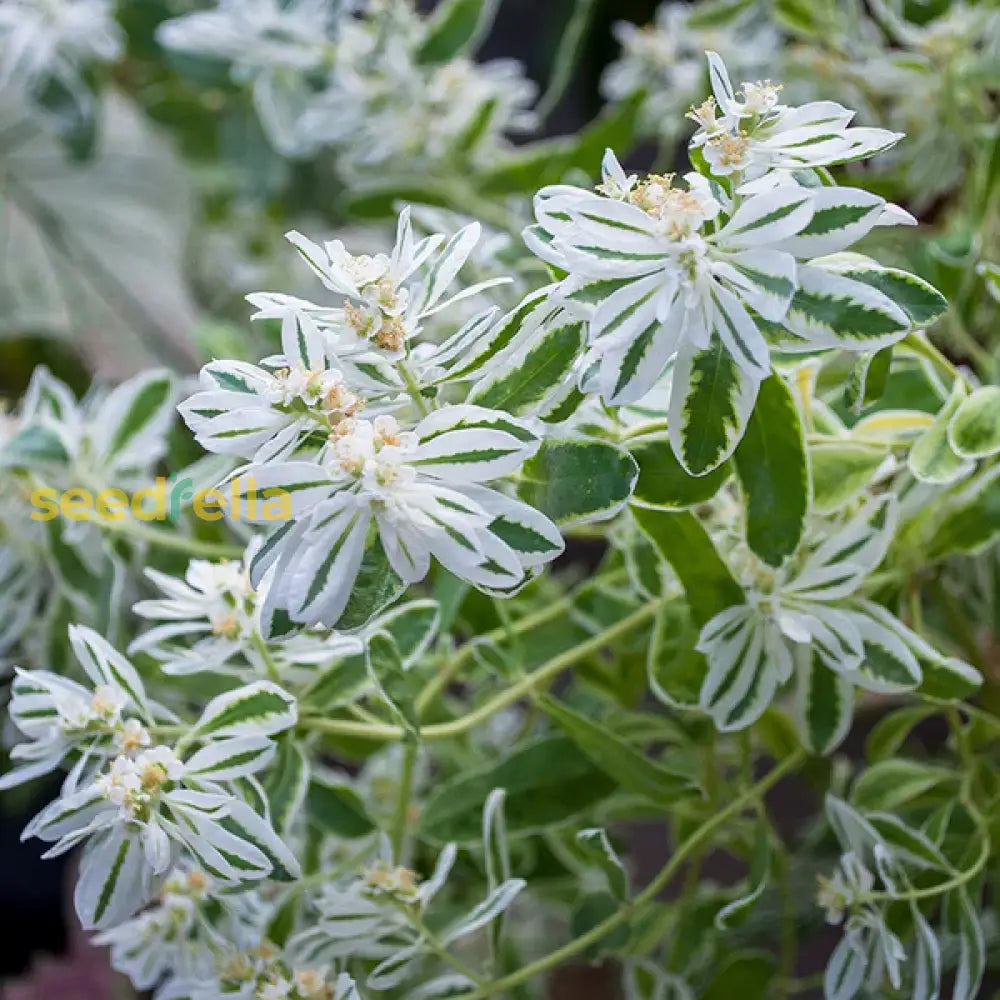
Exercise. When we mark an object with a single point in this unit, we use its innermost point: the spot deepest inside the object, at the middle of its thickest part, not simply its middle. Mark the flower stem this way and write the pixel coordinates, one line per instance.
(648, 895)
(399, 820)
(521, 688)
(142, 532)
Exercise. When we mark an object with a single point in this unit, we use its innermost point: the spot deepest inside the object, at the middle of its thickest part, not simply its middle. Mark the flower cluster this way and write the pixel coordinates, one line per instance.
(337, 740)
(366, 83)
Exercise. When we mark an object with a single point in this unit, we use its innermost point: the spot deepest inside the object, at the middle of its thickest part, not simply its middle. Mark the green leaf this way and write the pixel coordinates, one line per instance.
(893, 783)
(747, 975)
(80, 581)
(932, 459)
(824, 704)
(549, 160)
(397, 686)
(674, 668)
(521, 386)
(339, 684)
(966, 521)
(547, 783)
(376, 587)
(136, 407)
(335, 808)
(574, 481)
(712, 398)
(663, 482)
(841, 471)
(596, 847)
(456, 27)
(286, 784)
(682, 540)
(974, 429)
(32, 446)
(890, 733)
(773, 471)
(633, 771)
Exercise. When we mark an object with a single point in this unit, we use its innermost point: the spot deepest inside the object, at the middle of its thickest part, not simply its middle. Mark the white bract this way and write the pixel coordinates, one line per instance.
(682, 276)
(55, 38)
(750, 132)
(422, 489)
(800, 618)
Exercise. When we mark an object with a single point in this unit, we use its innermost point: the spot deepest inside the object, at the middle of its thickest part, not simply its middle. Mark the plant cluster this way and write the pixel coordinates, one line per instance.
(601, 492)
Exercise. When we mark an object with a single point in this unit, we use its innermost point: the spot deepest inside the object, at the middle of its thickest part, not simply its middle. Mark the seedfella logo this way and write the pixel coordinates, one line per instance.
(163, 501)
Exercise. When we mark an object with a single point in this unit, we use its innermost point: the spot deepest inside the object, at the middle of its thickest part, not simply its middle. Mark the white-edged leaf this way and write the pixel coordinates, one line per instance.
(258, 709)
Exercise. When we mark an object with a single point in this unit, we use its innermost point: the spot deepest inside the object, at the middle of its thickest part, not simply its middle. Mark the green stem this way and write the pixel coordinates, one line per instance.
(519, 689)
(441, 950)
(923, 348)
(648, 895)
(265, 653)
(401, 815)
(570, 46)
(141, 532)
(444, 676)
(413, 389)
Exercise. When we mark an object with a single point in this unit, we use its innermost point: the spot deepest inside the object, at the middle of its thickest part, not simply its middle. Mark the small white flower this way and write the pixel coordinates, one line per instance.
(423, 490)
(756, 134)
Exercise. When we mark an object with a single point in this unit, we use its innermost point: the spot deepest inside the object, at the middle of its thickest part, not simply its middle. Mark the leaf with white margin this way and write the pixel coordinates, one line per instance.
(961, 919)
(487, 911)
(944, 677)
(100, 244)
(103, 664)
(888, 665)
(228, 759)
(258, 709)
(734, 913)
(841, 216)
(114, 880)
(919, 299)
(748, 659)
(253, 829)
(597, 847)
(838, 565)
(824, 703)
(830, 310)
(711, 400)
(845, 972)
(932, 459)
(974, 427)
(130, 426)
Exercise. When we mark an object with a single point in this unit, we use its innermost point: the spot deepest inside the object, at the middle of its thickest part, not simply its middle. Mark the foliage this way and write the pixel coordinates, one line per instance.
(540, 498)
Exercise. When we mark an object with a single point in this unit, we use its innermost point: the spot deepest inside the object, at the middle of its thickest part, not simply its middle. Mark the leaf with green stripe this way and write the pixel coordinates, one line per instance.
(131, 421)
(832, 310)
(920, 300)
(33, 446)
(258, 709)
(522, 384)
(932, 459)
(974, 428)
(286, 783)
(841, 471)
(113, 882)
(711, 400)
(773, 470)
(824, 703)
